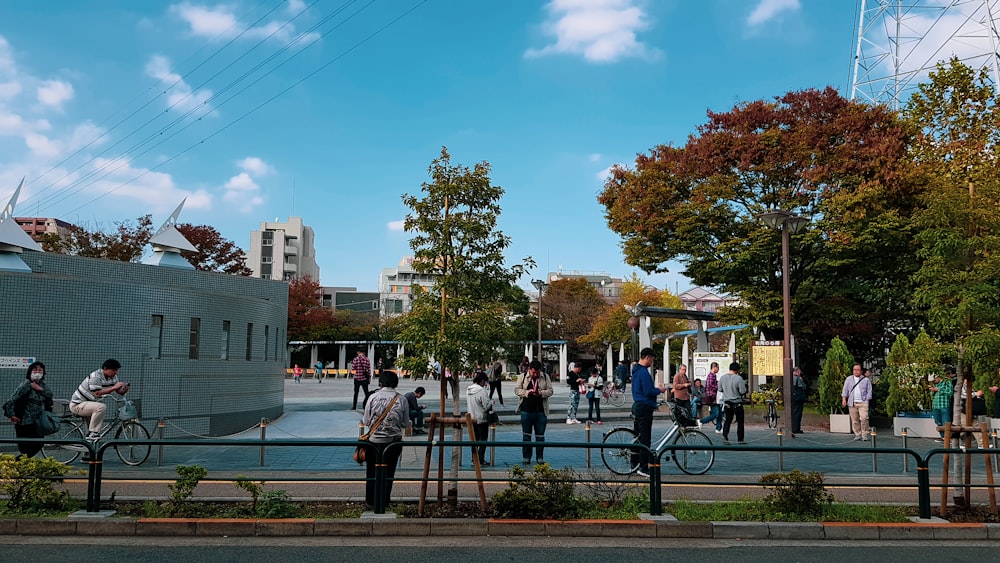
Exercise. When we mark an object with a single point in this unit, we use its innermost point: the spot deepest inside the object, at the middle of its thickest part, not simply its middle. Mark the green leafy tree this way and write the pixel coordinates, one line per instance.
(569, 309)
(812, 153)
(463, 318)
(836, 367)
(125, 242)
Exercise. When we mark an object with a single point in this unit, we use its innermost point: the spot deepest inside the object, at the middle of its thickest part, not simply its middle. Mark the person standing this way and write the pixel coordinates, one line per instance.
(941, 401)
(710, 399)
(534, 390)
(595, 386)
(682, 389)
(732, 388)
(573, 380)
(319, 371)
(297, 373)
(800, 394)
(25, 405)
(480, 405)
(496, 380)
(855, 396)
(361, 369)
(644, 396)
(389, 431)
(621, 376)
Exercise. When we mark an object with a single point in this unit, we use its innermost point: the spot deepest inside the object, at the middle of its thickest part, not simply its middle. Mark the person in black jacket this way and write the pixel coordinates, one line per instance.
(26, 404)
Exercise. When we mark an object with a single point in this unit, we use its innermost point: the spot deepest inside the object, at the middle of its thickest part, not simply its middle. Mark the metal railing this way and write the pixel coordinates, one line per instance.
(95, 453)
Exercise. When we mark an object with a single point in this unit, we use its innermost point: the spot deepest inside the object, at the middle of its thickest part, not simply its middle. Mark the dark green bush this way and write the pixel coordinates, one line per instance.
(29, 483)
(796, 492)
(545, 493)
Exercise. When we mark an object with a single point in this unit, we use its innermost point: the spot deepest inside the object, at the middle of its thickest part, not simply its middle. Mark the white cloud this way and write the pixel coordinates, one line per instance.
(767, 10)
(53, 93)
(155, 191)
(601, 30)
(222, 23)
(603, 174)
(9, 89)
(255, 166)
(594, 157)
(6, 56)
(179, 95)
(241, 182)
(395, 225)
(42, 146)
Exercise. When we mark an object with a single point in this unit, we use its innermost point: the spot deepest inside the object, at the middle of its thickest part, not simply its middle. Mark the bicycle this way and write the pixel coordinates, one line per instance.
(614, 395)
(771, 413)
(125, 423)
(621, 458)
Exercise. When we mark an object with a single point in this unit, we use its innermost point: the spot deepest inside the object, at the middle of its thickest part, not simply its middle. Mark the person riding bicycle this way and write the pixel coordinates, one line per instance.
(85, 402)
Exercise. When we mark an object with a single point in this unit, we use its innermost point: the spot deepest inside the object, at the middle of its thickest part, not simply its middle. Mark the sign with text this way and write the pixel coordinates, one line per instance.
(15, 362)
(767, 357)
(703, 362)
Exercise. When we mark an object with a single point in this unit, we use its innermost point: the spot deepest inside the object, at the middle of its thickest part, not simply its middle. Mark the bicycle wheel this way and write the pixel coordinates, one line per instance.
(132, 454)
(66, 453)
(616, 453)
(616, 397)
(771, 416)
(690, 457)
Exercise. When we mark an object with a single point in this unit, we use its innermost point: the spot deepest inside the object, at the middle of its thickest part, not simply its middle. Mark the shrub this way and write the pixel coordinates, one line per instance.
(29, 483)
(836, 367)
(796, 492)
(266, 504)
(545, 493)
(908, 366)
(182, 489)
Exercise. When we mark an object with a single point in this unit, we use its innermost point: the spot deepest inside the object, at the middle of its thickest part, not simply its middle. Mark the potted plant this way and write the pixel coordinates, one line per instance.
(836, 367)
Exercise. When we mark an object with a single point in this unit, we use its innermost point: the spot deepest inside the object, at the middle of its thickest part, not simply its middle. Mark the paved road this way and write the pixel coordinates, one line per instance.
(316, 411)
(29, 549)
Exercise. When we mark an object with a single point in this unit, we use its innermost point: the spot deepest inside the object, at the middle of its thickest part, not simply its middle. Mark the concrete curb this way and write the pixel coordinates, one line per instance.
(446, 527)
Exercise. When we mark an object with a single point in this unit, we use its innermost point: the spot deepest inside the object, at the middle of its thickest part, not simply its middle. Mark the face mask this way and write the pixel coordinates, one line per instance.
(36, 376)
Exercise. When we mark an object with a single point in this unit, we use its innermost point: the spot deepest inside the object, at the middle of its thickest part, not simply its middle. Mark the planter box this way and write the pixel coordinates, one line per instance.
(920, 425)
(840, 424)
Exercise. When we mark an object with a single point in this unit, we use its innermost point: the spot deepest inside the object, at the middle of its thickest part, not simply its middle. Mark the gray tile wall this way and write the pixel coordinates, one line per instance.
(72, 313)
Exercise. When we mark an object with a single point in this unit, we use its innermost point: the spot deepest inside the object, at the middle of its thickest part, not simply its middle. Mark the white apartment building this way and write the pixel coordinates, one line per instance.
(608, 287)
(283, 251)
(395, 286)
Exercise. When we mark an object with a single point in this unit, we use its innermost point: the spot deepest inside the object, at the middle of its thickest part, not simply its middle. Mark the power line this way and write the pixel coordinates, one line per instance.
(255, 108)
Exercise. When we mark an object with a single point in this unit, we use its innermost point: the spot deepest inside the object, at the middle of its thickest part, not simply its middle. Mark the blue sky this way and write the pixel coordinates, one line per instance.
(114, 109)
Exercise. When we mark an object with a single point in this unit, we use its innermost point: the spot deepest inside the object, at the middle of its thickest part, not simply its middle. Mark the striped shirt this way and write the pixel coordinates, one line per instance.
(94, 382)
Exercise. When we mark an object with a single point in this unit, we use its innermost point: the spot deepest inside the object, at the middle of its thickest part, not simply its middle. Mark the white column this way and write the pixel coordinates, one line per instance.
(609, 362)
(732, 343)
(563, 361)
(666, 353)
(342, 357)
(621, 352)
(645, 334)
(685, 352)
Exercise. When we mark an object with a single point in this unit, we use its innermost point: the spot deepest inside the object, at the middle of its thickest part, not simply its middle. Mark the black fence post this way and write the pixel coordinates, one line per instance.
(95, 463)
(924, 488)
(380, 471)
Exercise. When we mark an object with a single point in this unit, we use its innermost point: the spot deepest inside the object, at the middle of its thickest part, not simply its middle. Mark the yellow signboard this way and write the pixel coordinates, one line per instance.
(767, 359)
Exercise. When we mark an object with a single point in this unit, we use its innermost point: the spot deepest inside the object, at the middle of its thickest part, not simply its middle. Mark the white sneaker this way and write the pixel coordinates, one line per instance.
(93, 436)
(569, 421)
(641, 473)
(718, 431)
(575, 421)
(699, 425)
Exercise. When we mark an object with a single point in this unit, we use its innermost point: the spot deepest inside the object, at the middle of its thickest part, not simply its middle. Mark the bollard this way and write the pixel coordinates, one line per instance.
(587, 428)
(161, 425)
(781, 455)
(263, 436)
(993, 439)
(906, 458)
(493, 449)
(874, 455)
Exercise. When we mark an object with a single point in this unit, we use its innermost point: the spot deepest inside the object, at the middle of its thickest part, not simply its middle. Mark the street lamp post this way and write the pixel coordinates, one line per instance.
(788, 223)
(540, 286)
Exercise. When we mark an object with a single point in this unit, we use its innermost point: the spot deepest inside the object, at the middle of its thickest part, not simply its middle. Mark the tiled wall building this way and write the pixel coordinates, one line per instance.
(204, 350)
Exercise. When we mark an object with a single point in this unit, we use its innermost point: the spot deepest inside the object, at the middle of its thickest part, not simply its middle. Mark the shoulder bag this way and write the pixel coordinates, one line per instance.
(359, 454)
(47, 424)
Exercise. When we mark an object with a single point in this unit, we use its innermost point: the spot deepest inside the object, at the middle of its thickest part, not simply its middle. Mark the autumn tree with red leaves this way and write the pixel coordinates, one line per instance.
(215, 253)
(308, 319)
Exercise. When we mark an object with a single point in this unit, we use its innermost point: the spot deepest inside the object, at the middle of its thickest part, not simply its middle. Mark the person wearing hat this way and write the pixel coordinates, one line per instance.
(941, 401)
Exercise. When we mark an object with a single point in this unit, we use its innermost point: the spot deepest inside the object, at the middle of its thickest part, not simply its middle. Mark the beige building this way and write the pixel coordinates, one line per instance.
(283, 251)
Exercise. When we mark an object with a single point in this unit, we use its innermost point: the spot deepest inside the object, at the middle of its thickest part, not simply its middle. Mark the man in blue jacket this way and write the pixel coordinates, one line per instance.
(644, 394)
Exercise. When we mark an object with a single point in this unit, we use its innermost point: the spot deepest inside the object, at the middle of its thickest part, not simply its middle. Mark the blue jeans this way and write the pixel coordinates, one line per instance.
(574, 404)
(714, 414)
(941, 416)
(533, 423)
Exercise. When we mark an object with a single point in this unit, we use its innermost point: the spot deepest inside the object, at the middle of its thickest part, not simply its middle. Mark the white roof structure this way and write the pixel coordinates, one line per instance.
(13, 239)
(168, 243)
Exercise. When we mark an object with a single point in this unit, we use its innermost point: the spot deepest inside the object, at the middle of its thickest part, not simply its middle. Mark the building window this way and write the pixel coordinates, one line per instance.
(265, 271)
(277, 342)
(267, 342)
(267, 238)
(225, 340)
(195, 338)
(156, 337)
(265, 259)
(249, 341)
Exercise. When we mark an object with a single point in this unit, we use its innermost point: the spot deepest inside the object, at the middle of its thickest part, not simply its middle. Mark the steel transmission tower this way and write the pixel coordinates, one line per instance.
(900, 41)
